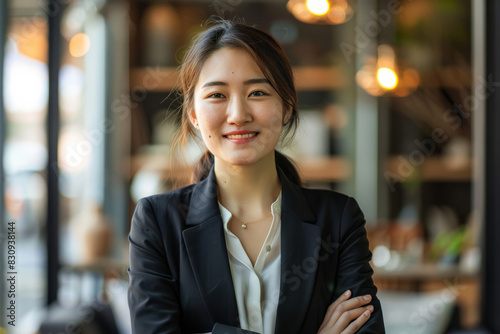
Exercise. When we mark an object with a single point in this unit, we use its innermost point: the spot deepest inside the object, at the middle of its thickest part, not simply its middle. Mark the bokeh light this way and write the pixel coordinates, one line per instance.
(387, 78)
(320, 11)
(25, 82)
(79, 45)
(318, 7)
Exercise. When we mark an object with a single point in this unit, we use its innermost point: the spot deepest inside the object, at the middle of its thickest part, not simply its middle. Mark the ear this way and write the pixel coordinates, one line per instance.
(287, 114)
(193, 118)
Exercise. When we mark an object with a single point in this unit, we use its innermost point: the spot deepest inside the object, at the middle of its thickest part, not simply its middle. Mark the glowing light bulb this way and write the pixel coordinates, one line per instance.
(318, 7)
(387, 78)
(79, 45)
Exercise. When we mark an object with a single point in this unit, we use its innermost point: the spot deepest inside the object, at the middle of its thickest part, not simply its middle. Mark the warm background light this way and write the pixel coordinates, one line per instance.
(320, 11)
(337, 14)
(79, 45)
(385, 74)
(318, 7)
(387, 78)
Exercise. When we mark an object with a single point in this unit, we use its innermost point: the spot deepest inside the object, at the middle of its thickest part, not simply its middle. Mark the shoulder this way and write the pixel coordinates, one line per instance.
(161, 202)
(173, 195)
(162, 215)
(332, 204)
(325, 196)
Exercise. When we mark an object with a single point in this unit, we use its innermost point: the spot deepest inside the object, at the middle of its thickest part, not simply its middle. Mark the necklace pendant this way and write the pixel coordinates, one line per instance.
(244, 225)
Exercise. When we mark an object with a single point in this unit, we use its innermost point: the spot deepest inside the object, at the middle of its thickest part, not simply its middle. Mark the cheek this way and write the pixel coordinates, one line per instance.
(274, 117)
(211, 121)
(271, 120)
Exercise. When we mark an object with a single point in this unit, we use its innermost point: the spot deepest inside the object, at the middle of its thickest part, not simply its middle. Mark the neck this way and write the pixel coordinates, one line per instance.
(248, 190)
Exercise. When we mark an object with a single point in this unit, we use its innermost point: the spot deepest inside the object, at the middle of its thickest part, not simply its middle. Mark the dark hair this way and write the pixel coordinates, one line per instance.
(272, 61)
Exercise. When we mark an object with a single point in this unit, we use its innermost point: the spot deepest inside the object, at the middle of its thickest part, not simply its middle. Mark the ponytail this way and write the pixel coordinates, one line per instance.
(288, 166)
(202, 167)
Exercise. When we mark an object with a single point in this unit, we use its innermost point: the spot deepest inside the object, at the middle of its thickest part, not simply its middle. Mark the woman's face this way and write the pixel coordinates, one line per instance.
(232, 94)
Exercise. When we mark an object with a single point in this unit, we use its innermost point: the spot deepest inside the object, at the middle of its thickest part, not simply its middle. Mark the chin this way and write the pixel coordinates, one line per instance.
(251, 161)
(244, 157)
(241, 160)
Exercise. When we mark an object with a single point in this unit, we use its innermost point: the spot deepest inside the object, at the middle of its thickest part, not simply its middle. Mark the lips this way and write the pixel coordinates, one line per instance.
(241, 137)
(240, 132)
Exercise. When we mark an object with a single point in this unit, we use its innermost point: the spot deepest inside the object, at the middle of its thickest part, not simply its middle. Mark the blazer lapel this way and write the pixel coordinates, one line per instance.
(300, 238)
(206, 249)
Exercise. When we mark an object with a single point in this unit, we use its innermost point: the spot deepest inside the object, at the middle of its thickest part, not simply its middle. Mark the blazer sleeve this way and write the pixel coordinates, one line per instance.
(153, 294)
(354, 271)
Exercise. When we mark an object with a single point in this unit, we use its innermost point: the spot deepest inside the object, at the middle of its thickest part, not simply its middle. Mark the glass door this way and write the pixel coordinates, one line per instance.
(25, 103)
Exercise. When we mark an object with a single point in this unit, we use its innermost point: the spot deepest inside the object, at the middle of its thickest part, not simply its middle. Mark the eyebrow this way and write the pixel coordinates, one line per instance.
(248, 82)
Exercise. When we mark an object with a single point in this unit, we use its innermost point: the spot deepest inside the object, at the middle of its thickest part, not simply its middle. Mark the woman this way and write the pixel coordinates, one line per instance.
(246, 245)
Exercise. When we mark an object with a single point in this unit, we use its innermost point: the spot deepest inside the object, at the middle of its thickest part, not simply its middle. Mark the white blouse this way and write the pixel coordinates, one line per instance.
(257, 288)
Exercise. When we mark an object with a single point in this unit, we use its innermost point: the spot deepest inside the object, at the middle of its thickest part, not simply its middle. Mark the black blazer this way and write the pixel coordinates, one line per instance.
(180, 279)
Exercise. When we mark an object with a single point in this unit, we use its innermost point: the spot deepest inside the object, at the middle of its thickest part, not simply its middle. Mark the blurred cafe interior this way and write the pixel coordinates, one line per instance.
(398, 104)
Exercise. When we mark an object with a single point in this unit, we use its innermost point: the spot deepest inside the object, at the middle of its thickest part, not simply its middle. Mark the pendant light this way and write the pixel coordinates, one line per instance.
(320, 11)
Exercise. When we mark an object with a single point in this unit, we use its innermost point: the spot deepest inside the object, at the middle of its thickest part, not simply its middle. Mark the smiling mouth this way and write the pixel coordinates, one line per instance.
(247, 135)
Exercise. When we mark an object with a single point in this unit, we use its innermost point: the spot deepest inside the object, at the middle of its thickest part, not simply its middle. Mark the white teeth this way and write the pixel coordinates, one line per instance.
(248, 135)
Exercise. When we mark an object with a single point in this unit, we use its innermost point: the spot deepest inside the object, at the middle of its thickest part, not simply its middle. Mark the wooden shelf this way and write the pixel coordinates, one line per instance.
(318, 78)
(161, 79)
(153, 79)
(157, 163)
(324, 169)
(103, 265)
(327, 169)
(424, 272)
(319, 169)
(437, 169)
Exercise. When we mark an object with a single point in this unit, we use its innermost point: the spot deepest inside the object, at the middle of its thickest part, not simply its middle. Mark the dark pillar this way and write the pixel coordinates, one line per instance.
(3, 224)
(54, 18)
(491, 263)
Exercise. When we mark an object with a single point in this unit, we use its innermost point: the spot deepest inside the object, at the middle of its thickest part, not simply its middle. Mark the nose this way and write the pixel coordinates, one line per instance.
(238, 111)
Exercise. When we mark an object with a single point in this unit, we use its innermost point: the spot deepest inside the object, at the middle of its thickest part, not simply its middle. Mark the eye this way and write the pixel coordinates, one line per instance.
(258, 93)
(216, 96)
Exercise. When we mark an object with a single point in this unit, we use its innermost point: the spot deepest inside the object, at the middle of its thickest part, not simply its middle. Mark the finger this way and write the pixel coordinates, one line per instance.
(356, 324)
(345, 296)
(350, 316)
(346, 306)
(353, 303)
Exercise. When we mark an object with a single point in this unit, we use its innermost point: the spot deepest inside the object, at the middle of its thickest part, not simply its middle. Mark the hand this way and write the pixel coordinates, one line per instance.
(346, 316)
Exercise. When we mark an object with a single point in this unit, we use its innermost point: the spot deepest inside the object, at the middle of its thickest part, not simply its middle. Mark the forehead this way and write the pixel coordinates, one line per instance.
(229, 63)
